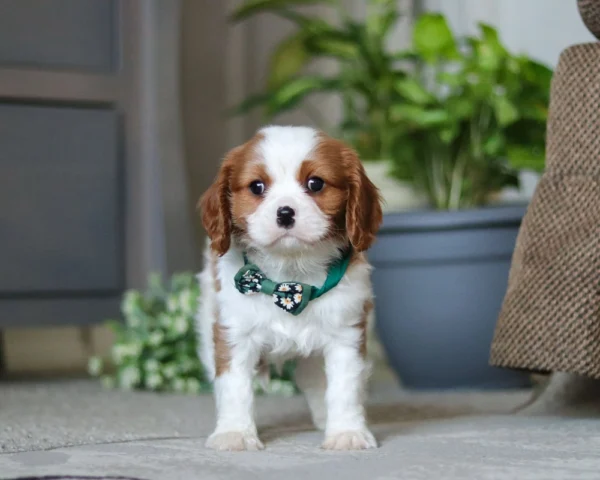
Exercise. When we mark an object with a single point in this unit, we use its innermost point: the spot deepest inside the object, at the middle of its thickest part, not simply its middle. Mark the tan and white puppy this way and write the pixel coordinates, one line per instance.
(293, 200)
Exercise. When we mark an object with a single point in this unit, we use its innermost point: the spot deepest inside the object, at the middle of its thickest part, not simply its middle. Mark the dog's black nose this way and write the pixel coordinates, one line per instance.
(285, 217)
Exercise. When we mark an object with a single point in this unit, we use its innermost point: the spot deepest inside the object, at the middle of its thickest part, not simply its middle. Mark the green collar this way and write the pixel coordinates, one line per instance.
(293, 297)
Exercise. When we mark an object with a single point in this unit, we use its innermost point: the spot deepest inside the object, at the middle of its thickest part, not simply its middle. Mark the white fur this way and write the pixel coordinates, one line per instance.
(325, 337)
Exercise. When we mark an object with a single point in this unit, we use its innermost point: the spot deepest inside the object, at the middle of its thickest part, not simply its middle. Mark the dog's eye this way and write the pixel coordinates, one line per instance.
(257, 187)
(315, 184)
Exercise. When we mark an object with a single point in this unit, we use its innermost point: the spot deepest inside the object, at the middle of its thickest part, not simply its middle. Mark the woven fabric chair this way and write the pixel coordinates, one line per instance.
(550, 319)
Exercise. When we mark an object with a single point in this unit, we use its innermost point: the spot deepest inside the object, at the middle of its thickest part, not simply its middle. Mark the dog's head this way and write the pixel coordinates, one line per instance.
(289, 189)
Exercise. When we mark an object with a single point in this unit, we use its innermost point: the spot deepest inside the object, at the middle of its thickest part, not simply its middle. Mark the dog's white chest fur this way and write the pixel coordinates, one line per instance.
(279, 334)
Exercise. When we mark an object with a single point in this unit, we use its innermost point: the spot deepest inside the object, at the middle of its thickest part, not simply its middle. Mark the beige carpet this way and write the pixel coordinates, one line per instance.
(76, 428)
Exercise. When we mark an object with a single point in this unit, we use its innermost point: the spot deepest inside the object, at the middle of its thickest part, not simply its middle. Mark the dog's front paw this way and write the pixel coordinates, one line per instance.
(234, 441)
(351, 440)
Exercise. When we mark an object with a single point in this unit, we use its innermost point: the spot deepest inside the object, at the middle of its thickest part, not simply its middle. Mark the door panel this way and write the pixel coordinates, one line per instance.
(60, 181)
(73, 34)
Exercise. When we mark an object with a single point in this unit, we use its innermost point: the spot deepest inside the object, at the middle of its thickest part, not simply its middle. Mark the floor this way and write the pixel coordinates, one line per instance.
(75, 428)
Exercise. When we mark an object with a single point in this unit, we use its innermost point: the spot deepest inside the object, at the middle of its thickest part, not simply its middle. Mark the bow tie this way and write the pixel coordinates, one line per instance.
(292, 297)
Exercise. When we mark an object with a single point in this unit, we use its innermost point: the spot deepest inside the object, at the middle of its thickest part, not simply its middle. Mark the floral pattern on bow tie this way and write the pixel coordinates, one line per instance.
(288, 296)
(251, 282)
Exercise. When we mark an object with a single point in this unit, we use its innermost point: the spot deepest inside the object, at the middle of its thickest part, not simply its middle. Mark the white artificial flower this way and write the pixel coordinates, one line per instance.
(134, 321)
(119, 352)
(151, 365)
(154, 381)
(134, 349)
(298, 288)
(180, 325)
(129, 377)
(172, 304)
(169, 370)
(298, 298)
(130, 302)
(287, 389)
(156, 338)
(164, 320)
(95, 366)
(186, 302)
(284, 287)
(192, 385)
(108, 382)
(179, 384)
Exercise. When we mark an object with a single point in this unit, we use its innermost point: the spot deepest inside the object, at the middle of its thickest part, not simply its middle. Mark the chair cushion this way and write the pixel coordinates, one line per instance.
(590, 13)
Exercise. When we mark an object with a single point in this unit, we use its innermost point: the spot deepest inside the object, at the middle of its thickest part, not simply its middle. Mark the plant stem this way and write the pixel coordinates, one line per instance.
(457, 181)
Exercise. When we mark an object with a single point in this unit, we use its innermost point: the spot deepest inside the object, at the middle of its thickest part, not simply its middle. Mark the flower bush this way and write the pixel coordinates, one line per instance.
(155, 345)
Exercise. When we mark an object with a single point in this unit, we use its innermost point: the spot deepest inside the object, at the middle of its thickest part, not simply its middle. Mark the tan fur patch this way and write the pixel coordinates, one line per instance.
(349, 197)
(362, 325)
(215, 204)
(215, 272)
(244, 202)
(222, 349)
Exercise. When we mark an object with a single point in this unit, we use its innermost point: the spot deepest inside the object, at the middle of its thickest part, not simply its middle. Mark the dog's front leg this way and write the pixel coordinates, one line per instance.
(346, 371)
(236, 429)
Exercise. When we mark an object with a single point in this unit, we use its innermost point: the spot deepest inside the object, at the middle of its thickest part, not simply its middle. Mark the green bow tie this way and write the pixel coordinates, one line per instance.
(293, 297)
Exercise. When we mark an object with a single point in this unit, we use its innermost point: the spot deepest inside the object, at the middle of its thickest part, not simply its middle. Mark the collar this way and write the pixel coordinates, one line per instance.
(293, 297)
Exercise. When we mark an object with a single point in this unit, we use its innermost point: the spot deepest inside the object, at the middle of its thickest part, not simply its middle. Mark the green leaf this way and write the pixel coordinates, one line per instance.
(452, 79)
(534, 111)
(489, 49)
(506, 111)
(251, 103)
(419, 116)
(433, 38)
(288, 59)
(494, 145)
(460, 108)
(334, 43)
(294, 91)
(252, 7)
(413, 90)
(405, 55)
(491, 38)
(382, 15)
(401, 166)
(448, 135)
(536, 73)
(526, 157)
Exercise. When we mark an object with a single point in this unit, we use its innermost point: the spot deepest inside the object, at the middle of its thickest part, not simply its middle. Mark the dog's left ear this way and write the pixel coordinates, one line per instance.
(363, 209)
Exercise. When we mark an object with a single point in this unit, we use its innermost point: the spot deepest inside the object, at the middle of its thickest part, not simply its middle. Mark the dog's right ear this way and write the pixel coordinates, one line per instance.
(215, 206)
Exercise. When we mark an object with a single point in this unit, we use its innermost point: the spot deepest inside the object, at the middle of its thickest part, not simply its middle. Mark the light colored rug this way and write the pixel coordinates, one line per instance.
(75, 428)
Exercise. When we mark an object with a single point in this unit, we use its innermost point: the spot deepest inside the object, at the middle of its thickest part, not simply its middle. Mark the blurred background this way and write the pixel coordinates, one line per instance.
(114, 116)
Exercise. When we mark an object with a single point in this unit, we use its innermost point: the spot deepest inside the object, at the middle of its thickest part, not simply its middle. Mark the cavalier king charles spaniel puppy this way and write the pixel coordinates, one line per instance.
(289, 216)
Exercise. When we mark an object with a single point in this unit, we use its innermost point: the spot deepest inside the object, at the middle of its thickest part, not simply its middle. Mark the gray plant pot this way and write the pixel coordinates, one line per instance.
(439, 280)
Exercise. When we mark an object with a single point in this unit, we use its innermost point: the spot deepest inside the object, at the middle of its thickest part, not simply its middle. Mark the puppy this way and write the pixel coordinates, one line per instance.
(288, 218)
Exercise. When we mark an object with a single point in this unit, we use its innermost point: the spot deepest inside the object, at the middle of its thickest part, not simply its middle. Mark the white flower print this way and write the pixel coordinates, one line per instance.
(287, 303)
(298, 288)
(284, 287)
(298, 298)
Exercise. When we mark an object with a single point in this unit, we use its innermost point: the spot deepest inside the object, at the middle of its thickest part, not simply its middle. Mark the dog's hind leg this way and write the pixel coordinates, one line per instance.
(311, 379)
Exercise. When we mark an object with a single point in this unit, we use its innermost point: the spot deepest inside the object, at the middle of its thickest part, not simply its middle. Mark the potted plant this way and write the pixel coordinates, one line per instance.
(456, 119)
(365, 81)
